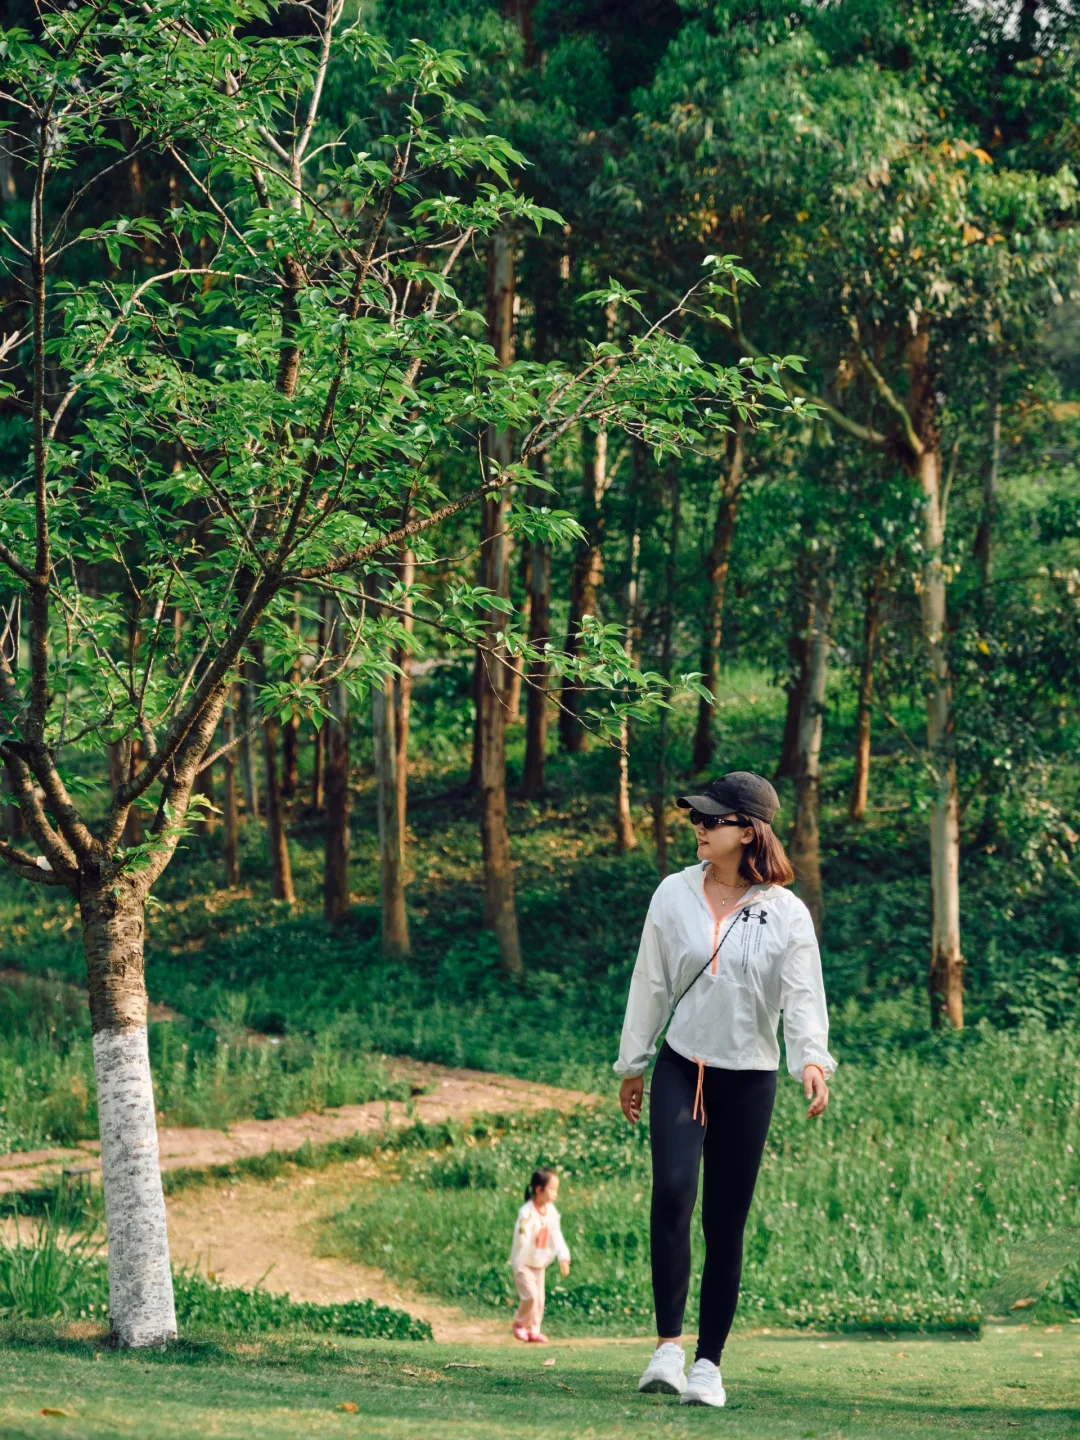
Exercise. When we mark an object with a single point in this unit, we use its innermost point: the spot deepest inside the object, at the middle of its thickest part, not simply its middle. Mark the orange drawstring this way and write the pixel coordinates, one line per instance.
(699, 1093)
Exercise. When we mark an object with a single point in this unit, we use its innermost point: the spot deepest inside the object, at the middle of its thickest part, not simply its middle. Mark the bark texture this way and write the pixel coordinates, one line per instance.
(536, 715)
(230, 804)
(719, 566)
(140, 1281)
(249, 769)
(336, 799)
(860, 785)
(798, 648)
(395, 922)
(625, 835)
(500, 911)
(586, 578)
(806, 841)
(403, 704)
(281, 881)
(946, 959)
(667, 650)
(946, 976)
(141, 1309)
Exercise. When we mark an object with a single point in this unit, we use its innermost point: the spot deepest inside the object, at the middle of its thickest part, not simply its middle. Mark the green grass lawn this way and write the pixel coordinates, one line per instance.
(780, 1387)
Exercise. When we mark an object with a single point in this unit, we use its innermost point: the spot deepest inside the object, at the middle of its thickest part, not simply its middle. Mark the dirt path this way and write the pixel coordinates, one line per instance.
(255, 1231)
(455, 1095)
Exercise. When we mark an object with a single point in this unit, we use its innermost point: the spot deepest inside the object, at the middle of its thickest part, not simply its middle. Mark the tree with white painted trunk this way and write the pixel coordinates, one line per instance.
(233, 414)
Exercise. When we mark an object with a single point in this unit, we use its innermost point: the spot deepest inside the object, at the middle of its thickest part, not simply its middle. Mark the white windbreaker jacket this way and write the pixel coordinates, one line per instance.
(768, 963)
(538, 1239)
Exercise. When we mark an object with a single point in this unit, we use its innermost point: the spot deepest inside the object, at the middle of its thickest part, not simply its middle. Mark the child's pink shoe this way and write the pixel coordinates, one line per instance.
(520, 1333)
(537, 1337)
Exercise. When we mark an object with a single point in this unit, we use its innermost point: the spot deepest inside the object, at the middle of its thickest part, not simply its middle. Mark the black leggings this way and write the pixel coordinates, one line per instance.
(739, 1105)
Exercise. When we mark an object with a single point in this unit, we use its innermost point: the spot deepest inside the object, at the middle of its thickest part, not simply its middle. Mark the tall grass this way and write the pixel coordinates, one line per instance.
(902, 1208)
(48, 1263)
(204, 1075)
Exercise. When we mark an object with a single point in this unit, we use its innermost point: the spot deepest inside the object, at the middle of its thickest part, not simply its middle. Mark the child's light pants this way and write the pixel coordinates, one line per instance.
(530, 1286)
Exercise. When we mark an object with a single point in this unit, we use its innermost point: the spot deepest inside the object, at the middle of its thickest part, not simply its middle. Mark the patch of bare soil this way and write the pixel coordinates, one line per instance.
(254, 1231)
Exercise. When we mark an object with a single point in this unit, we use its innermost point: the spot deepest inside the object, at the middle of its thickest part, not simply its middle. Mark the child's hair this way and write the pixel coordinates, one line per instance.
(539, 1181)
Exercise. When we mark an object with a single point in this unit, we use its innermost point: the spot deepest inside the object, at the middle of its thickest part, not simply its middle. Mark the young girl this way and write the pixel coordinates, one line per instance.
(538, 1239)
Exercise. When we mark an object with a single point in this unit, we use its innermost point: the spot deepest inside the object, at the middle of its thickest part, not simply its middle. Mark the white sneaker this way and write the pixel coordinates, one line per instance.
(704, 1386)
(664, 1374)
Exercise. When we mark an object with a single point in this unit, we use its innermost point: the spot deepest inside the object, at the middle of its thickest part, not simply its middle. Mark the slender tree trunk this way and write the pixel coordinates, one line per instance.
(500, 912)
(947, 962)
(403, 705)
(204, 785)
(338, 831)
(290, 756)
(395, 923)
(860, 785)
(141, 1311)
(230, 806)
(625, 835)
(515, 675)
(992, 833)
(318, 760)
(249, 772)
(281, 881)
(536, 717)
(723, 538)
(290, 735)
(586, 578)
(806, 842)
(798, 647)
(946, 977)
(984, 538)
(659, 796)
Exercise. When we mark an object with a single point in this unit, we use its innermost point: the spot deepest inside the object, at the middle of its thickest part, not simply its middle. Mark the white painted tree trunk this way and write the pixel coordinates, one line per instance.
(140, 1280)
(141, 1311)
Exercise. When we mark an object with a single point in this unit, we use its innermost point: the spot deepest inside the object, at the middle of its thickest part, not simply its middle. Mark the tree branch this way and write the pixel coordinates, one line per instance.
(31, 867)
(885, 390)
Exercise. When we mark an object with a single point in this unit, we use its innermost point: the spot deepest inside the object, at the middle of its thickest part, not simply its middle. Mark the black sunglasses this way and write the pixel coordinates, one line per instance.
(710, 822)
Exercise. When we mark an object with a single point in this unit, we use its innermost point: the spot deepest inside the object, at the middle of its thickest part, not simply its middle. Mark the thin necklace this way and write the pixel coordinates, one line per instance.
(722, 887)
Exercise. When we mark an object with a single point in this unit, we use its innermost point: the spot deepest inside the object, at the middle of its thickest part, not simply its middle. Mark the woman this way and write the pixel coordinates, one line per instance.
(725, 948)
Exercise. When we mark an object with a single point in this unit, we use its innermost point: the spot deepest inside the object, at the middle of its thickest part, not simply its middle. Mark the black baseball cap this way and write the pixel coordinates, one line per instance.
(739, 793)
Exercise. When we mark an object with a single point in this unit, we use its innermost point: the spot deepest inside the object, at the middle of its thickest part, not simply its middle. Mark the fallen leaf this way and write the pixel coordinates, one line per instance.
(463, 1365)
(349, 1407)
(1038, 1354)
(1023, 1304)
(566, 1388)
(547, 1362)
(406, 1371)
(64, 1413)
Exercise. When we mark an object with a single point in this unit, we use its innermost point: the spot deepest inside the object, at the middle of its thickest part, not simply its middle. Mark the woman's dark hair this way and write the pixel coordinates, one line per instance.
(539, 1181)
(764, 860)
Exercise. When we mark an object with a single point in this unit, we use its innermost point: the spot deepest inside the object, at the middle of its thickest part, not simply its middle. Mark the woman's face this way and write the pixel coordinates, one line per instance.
(722, 842)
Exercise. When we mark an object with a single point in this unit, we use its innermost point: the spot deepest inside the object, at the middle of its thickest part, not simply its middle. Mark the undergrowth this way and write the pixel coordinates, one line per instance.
(51, 1269)
(902, 1210)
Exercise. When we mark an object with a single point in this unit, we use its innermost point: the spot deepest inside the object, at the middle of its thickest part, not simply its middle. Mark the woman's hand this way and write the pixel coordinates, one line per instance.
(631, 1095)
(813, 1081)
(564, 1266)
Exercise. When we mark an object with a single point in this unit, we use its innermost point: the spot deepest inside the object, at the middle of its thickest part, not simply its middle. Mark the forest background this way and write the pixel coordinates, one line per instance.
(859, 576)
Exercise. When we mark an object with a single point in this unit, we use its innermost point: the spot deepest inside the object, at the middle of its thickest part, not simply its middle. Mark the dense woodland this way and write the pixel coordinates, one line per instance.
(423, 458)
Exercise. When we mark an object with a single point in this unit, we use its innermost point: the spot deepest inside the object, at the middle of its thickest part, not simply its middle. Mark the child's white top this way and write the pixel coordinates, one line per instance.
(538, 1239)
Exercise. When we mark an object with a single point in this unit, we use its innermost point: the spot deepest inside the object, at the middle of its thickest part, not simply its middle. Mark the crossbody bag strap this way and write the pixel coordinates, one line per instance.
(708, 962)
